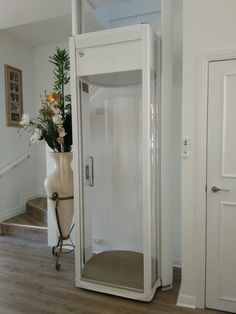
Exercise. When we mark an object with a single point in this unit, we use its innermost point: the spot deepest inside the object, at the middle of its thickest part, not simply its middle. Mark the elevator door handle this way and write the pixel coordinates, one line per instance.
(92, 171)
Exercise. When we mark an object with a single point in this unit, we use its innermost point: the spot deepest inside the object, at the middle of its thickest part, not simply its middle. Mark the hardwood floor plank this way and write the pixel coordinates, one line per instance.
(29, 284)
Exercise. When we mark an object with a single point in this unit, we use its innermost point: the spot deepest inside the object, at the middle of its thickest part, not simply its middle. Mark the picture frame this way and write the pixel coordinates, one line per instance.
(14, 96)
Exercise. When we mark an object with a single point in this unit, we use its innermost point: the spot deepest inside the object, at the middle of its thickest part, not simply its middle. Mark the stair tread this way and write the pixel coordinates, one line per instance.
(25, 220)
(39, 202)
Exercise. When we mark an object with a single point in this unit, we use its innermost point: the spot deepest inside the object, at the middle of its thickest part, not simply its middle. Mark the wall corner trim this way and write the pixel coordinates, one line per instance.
(185, 300)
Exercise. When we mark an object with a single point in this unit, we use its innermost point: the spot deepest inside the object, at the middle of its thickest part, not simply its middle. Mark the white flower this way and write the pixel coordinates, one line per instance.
(57, 119)
(55, 110)
(37, 135)
(61, 132)
(25, 120)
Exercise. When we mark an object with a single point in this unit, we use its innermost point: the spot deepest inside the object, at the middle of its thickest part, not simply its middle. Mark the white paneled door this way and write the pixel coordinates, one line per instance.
(221, 191)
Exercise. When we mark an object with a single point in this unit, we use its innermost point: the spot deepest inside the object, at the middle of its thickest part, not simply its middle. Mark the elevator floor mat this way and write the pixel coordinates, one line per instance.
(122, 269)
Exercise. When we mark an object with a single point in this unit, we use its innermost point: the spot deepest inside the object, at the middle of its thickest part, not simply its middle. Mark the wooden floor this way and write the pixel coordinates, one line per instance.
(29, 284)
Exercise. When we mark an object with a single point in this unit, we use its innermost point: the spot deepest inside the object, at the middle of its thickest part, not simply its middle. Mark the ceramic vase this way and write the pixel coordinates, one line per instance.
(61, 182)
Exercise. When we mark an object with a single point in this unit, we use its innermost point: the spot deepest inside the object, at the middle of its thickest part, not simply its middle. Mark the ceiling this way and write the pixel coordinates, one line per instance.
(18, 12)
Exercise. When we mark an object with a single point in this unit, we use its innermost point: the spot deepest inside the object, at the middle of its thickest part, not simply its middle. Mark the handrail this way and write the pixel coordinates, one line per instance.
(14, 164)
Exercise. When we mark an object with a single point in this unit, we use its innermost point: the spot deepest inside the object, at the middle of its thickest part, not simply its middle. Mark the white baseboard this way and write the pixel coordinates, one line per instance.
(188, 301)
(177, 262)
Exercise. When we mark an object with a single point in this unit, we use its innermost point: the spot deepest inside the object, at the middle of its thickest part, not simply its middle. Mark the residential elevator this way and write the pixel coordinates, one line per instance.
(115, 101)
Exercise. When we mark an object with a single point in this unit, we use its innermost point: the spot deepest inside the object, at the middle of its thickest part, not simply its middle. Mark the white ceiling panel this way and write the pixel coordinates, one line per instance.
(18, 12)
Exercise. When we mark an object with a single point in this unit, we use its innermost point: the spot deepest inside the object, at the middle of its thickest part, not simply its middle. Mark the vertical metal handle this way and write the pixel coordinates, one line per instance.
(92, 171)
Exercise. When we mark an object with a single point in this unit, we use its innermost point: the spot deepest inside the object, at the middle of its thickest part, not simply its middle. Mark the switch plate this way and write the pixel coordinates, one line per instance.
(186, 147)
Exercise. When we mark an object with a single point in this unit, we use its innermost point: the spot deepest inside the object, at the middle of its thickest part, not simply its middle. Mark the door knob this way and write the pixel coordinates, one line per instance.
(215, 189)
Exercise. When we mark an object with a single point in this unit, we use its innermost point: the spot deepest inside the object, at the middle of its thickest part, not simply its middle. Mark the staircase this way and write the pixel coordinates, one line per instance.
(32, 225)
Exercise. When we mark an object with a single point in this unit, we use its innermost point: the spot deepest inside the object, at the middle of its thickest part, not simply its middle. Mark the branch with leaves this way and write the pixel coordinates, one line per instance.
(53, 124)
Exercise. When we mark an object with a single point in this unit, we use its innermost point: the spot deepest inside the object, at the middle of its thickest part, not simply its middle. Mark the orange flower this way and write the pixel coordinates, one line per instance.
(53, 98)
(60, 140)
(47, 112)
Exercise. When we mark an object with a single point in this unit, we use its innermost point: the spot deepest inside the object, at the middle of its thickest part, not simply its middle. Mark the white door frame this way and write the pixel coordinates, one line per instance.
(201, 168)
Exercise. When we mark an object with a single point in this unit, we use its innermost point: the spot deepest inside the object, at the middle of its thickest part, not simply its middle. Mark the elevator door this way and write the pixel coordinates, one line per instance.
(112, 181)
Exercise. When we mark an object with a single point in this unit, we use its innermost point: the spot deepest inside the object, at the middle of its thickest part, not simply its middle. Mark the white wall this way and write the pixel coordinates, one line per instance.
(171, 102)
(208, 26)
(176, 128)
(23, 179)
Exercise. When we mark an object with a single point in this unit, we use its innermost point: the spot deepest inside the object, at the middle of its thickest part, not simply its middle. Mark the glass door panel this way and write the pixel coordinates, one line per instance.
(153, 176)
(112, 218)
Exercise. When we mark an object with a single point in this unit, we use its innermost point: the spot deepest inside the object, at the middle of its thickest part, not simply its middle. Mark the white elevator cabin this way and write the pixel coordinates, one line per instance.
(115, 81)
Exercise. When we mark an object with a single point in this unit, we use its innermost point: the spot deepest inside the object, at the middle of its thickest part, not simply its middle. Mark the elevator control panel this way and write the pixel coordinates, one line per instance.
(186, 147)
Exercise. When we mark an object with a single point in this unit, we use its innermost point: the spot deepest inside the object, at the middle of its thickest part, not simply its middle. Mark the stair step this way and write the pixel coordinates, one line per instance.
(37, 208)
(25, 227)
(25, 219)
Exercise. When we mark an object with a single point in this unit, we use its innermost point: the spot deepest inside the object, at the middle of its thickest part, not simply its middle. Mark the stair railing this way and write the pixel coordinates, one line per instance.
(14, 164)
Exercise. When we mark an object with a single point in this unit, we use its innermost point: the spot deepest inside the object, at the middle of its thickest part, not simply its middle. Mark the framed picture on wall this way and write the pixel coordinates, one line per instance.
(14, 96)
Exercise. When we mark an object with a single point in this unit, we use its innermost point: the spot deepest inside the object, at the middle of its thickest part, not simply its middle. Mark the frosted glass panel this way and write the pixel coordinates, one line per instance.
(112, 181)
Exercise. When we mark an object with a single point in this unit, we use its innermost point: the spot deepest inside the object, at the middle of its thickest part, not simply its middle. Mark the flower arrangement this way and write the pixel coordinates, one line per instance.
(53, 123)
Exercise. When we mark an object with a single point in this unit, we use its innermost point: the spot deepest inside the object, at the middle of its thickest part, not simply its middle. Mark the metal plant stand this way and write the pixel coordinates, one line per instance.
(57, 250)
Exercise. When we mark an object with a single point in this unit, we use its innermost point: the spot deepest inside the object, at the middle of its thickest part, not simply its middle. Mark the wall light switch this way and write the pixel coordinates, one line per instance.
(186, 147)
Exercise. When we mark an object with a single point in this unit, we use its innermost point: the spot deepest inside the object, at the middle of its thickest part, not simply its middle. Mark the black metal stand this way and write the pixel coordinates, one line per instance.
(57, 250)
